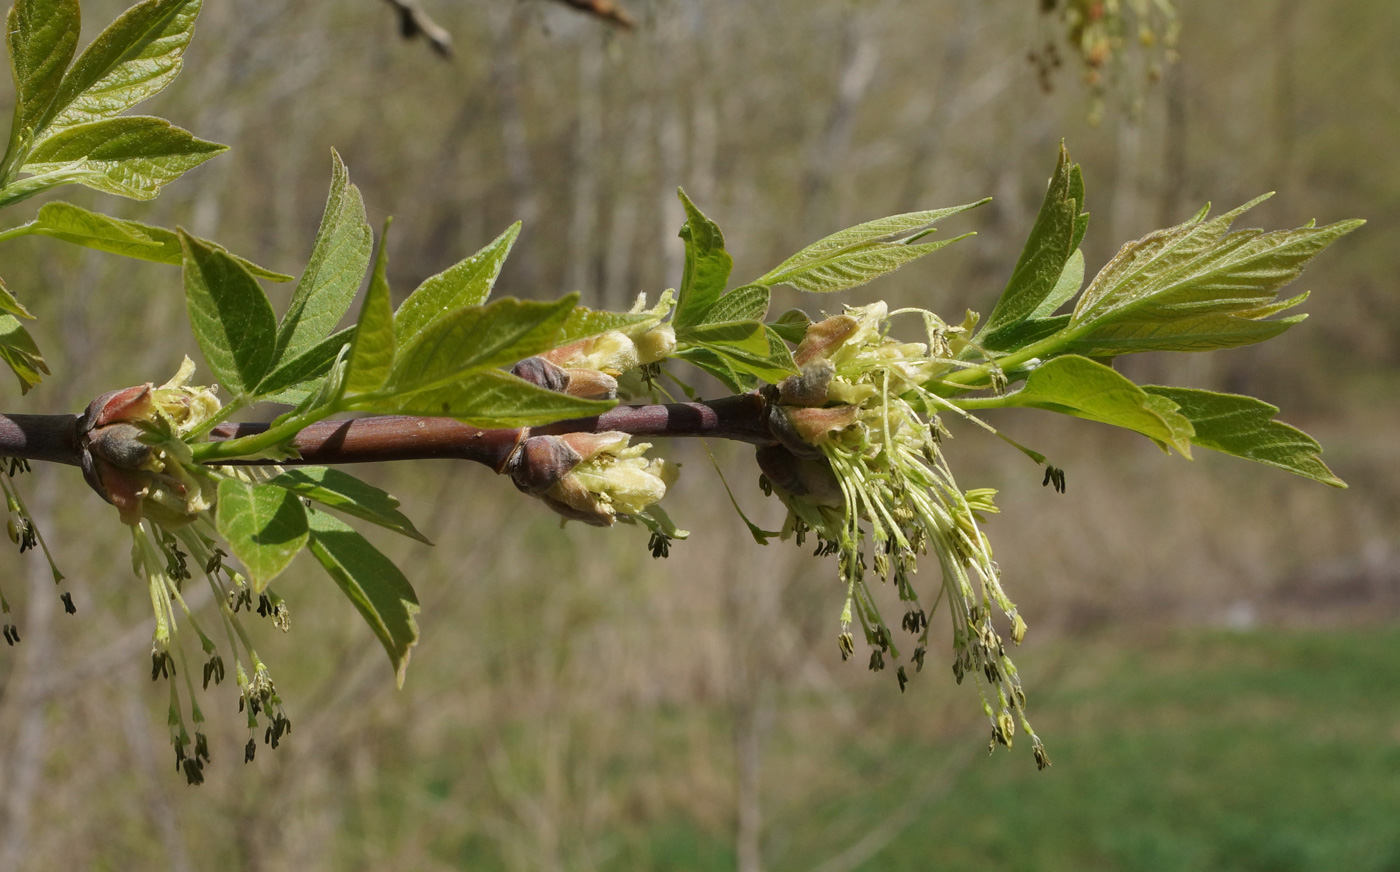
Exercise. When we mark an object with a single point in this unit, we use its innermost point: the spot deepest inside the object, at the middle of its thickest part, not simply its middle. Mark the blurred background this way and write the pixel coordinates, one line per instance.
(1214, 652)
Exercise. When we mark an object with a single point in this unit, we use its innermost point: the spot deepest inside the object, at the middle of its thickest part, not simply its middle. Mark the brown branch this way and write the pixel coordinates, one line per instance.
(414, 22)
(604, 9)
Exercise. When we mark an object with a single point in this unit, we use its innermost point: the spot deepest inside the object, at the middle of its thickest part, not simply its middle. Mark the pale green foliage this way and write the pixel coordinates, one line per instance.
(265, 526)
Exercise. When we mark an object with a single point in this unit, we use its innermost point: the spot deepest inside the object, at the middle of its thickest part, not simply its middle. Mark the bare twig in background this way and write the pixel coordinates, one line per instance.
(604, 9)
(415, 22)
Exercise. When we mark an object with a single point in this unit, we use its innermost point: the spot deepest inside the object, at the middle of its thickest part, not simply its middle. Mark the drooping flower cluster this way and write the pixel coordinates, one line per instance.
(861, 468)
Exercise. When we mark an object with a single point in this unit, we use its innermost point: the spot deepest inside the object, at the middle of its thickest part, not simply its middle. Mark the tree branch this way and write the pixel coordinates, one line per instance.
(743, 418)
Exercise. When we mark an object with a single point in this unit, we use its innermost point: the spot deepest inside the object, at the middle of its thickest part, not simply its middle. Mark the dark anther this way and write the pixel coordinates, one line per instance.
(249, 750)
(877, 660)
(11, 634)
(903, 678)
(660, 545)
(1054, 476)
(201, 747)
(194, 772)
(68, 603)
(264, 605)
(847, 645)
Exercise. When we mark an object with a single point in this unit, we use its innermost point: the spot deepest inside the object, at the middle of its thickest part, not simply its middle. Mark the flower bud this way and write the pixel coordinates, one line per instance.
(656, 344)
(824, 337)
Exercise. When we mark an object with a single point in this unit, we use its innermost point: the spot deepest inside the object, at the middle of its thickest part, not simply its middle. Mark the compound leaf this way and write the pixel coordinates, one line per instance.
(42, 36)
(858, 254)
(372, 351)
(19, 352)
(486, 398)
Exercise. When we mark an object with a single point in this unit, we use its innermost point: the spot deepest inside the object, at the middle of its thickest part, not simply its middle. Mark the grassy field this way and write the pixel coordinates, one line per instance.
(1268, 750)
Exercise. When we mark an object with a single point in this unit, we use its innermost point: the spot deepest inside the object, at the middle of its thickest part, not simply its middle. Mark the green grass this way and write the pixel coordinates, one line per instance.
(1274, 750)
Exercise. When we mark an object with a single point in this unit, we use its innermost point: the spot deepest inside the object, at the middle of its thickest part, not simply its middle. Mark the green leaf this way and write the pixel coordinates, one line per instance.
(748, 303)
(372, 353)
(230, 315)
(478, 337)
(584, 322)
(293, 380)
(42, 36)
(1197, 286)
(772, 362)
(18, 350)
(334, 271)
(718, 366)
(131, 156)
(707, 266)
(487, 398)
(467, 283)
(1070, 281)
(749, 335)
(133, 59)
(9, 304)
(1078, 386)
(345, 493)
(791, 325)
(1053, 239)
(858, 254)
(372, 582)
(1244, 426)
(118, 236)
(265, 527)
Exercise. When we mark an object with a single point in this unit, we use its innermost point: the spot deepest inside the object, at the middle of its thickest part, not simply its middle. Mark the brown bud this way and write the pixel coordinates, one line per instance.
(824, 337)
(590, 384)
(123, 405)
(815, 426)
(809, 387)
(541, 462)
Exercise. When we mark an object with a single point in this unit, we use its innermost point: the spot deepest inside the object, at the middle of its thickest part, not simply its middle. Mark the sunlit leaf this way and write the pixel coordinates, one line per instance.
(42, 36)
(1196, 286)
(1244, 426)
(707, 266)
(9, 304)
(119, 236)
(466, 283)
(265, 527)
(372, 352)
(858, 254)
(1081, 387)
(131, 156)
(372, 582)
(748, 303)
(486, 398)
(345, 493)
(334, 271)
(134, 58)
(478, 337)
(230, 315)
(19, 352)
(1052, 241)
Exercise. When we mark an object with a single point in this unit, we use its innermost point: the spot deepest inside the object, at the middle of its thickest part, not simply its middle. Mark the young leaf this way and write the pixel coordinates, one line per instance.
(1070, 281)
(478, 337)
(19, 352)
(791, 325)
(718, 366)
(1196, 286)
(334, 271)
(131, 156)
(372, 582)
(118, 236)
(486, 398)
(467, 283)
(707, 266)
(858, 254)
(293, 380)
(584, 322)
(749, 303)
(345, 493)
(372, 352)
(1081, 387)
(230, 315)
(265, 527)
(1053, 239)
(768, 360)
(42, 36)
(1244, 426)
(134, 58)
(9, 304)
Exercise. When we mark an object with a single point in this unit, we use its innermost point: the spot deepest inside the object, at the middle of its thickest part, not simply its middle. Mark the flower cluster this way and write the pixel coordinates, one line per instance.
(860, 466)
